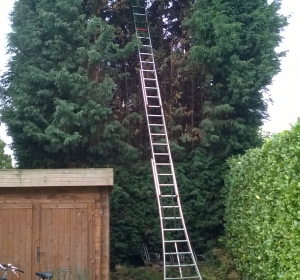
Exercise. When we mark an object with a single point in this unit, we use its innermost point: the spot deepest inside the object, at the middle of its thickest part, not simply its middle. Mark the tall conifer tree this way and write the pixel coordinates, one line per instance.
(59, 87)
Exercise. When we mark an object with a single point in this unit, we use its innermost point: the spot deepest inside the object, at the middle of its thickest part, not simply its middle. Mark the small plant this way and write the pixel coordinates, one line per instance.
(218, 266)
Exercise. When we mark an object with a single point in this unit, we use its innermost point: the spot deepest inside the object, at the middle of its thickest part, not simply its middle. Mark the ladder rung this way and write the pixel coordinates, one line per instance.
(145, 53)
(150, 96)
(172, 218)
(170, 206)
(159, 144)
(161, 133)
(147, 70)
(175, 241)
(162, 154)
(150, 79)
(158, 134)
(153, 106)
(151, 88)
(138, 14)
(147, 61)
(156, 124)
(154, 115)
(161, 163)
(142, 37)
(185, 277)
(164, 174)
(178, 253)
(173, 229)
(168, 195)
(180, 265)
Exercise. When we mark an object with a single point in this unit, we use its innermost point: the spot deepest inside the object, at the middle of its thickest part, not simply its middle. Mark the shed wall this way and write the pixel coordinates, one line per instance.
(44, 227)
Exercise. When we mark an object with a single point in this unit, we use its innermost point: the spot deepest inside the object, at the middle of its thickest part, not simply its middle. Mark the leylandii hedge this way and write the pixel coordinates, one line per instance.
(262, 199)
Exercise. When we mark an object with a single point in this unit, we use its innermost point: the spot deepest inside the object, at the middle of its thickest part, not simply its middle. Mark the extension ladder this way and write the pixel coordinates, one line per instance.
(178, 257)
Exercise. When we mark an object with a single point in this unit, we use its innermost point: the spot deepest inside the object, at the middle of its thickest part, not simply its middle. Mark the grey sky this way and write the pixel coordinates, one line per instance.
(285, 90)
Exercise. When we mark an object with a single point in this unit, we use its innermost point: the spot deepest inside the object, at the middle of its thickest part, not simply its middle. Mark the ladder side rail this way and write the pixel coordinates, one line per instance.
(149, 52)
(178, 260)
(158, 193)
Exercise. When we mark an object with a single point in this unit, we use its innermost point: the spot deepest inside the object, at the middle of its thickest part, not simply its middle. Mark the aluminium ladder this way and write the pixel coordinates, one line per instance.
(178, 257)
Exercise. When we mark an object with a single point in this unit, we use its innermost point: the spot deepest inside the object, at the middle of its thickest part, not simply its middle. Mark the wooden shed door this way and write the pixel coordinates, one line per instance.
(65, 236)
(15, 236)
(40, 237)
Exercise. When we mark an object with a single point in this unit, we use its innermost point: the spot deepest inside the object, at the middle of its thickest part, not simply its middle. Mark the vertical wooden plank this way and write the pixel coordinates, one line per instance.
(10, 239)
(90, 239)
(60, 228)
(84, 238)
(73, 224)
(67, 237)
(55, 235)
(29, 233)
(16, 230)
(1, 234)
(49, 239)
(105, 235)
(97, 240)
(42, 238)
(36, 233)
(21, 222)
(5, 234)
(78, 236)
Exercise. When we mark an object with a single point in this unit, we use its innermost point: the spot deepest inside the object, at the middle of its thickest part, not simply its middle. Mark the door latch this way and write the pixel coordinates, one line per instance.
(38, 254)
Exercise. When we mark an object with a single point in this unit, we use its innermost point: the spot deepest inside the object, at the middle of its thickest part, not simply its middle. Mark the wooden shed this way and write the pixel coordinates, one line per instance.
(55, 219)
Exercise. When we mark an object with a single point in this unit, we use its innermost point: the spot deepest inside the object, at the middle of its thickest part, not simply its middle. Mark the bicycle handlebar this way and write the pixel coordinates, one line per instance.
(11, 267)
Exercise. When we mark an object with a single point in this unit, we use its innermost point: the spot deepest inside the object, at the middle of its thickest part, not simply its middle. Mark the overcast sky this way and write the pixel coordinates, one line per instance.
(285, 90)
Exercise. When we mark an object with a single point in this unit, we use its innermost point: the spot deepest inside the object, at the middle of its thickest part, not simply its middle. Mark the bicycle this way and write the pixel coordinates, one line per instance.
(6, 268)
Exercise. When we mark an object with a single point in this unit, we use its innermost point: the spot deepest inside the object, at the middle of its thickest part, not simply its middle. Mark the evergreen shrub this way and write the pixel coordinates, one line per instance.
(262, 215)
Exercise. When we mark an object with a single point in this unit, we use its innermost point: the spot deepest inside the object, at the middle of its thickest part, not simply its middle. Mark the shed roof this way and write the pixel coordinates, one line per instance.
(56, 177)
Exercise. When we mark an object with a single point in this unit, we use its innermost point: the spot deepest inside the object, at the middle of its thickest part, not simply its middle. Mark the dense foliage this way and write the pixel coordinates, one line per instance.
(71, 97)
(216, 265)
(5, 160)
(59, 87)
(262, 208)
(133, 224)
(233, 53)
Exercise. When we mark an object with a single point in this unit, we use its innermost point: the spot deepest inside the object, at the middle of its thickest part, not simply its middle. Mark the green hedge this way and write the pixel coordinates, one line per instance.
(262, 216)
